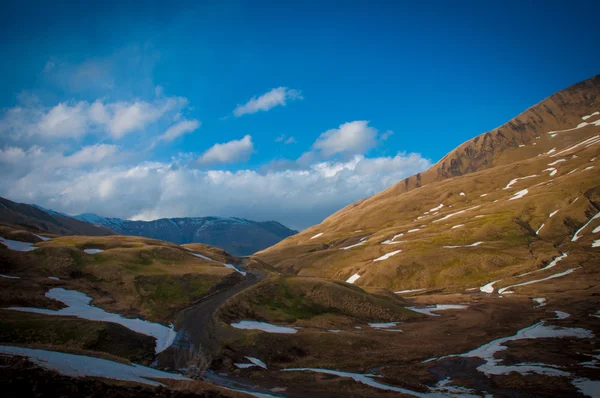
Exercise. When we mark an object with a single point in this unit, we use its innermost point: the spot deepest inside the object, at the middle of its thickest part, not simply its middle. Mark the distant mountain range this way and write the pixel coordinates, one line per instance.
(238, 236)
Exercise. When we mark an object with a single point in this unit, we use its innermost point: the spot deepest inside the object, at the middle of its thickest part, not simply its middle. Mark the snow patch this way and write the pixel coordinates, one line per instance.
(576, 235)
(557, 162)
(43, 238)
(85, 366)
(265, 327)
(386, 256)
(514, 180)
(317, 235)
(17, 245)
(354, 245)
(353, 278)
(9, 277)
(93, 251)
(586, 117)
(541, 301)
(437, 207)
(409, 291)
(471, 245)
(552, 171)
(489, 288)
(458, 226)
(429, 310)
(561, 274)
(78, 304)
(519, 194)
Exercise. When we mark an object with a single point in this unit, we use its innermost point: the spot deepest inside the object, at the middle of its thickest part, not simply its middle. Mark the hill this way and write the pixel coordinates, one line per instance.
(506, 202)
(236, 235)
(43, 220)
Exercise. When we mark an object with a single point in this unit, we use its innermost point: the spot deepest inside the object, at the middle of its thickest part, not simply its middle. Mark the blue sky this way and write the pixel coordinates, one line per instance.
(116, 108)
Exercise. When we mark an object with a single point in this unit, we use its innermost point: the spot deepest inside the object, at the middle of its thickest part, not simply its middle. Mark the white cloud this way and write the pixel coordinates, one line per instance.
(349, 139)
(179, 129)
(276, 97)
(230, 152)
(65, 121)
(74, 121)
(92, 154)
(285, 139)
(150, 190)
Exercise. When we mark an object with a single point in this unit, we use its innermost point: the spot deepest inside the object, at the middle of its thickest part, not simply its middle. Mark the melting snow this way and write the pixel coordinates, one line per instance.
(576, 236)
(453, 214)
(265, 327)
(462, 194)
(409, 291)
(233, 267)
(458, 226)
(588, 142)
(93, 251)
(596, 243)
(471, 245)
(437, 307)
(413, 230)
(354, 245)
(383, 325)
(54, 278)
(9, 277)
(317, 235)
(567, 272)
(257, 362)
(202, 256)
(85, 366)
(493, 366)
(386, 256)
(587, 387)
(78, 304)
(553, 213)
(586, 117)
(540, 301)
(353, 278)
(17, 245)
(514, 180)
(519, 194)
(482, 195)
(588, 168)
(391, 241)
(437, 207)
(489, 288)
(43, 238)
(552, 263)
(539, 229)
(556, 162)
(552, 171)
(244, 365)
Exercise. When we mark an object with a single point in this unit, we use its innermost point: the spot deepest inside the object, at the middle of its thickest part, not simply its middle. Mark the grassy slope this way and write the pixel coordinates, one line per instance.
(507, 227)
(135, 277)
(310, 301)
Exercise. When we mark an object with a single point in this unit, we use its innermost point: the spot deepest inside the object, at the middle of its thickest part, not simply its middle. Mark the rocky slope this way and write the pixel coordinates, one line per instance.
(236, 235)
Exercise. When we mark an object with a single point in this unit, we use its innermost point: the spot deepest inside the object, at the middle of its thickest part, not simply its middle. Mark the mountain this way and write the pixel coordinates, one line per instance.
(510, 200)
(236, 235)
(38, 218)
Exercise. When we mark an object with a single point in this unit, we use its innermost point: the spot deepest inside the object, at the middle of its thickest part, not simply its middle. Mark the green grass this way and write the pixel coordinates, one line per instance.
(164, 293)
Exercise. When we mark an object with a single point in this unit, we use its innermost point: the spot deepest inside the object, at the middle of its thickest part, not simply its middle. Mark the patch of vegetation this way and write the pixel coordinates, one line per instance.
(38, 329)
(164, 293)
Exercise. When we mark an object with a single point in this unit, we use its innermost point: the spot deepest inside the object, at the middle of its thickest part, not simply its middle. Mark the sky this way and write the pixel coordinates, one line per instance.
(283, 111)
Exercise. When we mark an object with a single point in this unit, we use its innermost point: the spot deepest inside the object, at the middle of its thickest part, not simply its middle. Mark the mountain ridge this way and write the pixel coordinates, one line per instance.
(238, 236)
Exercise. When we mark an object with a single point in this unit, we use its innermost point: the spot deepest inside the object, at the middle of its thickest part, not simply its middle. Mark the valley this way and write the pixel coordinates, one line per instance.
(477, 277)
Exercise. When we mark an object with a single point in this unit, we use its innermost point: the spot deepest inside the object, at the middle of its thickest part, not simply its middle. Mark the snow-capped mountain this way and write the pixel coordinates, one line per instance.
(236, 235)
